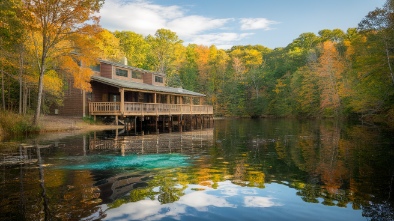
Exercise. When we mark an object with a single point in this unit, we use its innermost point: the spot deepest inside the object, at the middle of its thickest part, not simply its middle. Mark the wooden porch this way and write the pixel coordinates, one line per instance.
(147, 109)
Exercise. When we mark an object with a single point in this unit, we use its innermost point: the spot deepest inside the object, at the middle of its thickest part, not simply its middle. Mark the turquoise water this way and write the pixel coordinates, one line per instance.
(239, 170)
(142, 162)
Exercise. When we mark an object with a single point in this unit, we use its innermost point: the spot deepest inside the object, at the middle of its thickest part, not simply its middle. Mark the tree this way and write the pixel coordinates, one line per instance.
(52, 25)
(11, 42)
(162, 50)
(329, 69)
(380, 24)
(134, 46)
(109, 45)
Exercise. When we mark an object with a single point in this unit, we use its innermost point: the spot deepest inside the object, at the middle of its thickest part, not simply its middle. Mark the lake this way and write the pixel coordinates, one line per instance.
(239, 169)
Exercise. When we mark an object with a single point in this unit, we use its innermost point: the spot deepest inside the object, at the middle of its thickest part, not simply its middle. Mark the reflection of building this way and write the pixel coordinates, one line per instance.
(117, 186)
(184, 142)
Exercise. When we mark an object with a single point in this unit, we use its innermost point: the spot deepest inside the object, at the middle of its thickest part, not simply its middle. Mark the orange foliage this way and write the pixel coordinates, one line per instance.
(202, 60)
(330, 69)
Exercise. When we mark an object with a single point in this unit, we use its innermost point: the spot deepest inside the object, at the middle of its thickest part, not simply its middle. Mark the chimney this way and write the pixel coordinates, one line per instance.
(124, 60)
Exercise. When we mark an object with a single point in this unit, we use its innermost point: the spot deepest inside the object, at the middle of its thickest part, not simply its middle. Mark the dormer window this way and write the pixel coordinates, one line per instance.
(136, 75)
(121, 72)
(158, 79)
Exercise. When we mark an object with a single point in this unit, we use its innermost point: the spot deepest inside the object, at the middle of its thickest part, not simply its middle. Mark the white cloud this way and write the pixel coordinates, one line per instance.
(259, 201)
(256, 23)
(221, 40)
(201, 200)
(138, 16)
(154, 210)
(191, 25)
(144, 17)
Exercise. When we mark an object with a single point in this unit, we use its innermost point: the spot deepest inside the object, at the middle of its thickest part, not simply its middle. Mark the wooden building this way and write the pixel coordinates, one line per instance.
(122, 91)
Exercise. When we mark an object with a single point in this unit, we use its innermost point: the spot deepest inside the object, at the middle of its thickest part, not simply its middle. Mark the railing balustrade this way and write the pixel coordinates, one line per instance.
(142, 109)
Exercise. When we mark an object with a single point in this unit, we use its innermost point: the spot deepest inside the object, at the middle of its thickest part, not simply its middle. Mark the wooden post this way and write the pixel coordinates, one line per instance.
(170, 123)
(164, 122)
(156, 124)
(142, 119)
(181, 123)
(83, 103)
(116, 119)
(121, 90)
(135, 124)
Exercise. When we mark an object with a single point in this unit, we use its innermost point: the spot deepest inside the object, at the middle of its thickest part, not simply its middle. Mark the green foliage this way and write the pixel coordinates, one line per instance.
(14, 124)
(331, 74)
(88, 119)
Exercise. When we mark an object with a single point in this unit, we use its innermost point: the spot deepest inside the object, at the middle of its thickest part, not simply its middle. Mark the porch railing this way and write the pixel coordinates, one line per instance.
(146, 109)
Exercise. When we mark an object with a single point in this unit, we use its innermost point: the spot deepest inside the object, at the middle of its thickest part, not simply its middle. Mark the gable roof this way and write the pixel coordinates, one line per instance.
(144, 87)
(130, 67)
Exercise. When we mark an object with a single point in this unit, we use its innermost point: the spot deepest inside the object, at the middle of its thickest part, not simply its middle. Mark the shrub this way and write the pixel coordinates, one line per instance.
(15, 124)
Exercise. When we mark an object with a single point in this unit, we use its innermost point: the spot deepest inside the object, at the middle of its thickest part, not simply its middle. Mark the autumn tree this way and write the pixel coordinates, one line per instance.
(53, 26)
(330, 69)
(163, 52)
(109, 45)
(134, 46)
(11, 45)
(379, 24)
(189, 71)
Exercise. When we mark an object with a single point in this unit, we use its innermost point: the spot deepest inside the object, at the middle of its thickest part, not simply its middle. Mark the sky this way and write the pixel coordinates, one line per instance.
(225, 23)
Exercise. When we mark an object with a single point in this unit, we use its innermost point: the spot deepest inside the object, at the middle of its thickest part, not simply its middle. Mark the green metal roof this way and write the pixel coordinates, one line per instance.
(145, 87)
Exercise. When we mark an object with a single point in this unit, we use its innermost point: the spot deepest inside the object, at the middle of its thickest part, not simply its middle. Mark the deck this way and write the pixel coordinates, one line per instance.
(147, 109)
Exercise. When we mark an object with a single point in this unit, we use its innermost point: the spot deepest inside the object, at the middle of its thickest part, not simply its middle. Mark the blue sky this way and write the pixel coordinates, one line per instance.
(224, 23)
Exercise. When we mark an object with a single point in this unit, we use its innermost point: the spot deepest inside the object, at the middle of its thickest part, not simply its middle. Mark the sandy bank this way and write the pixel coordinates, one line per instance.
(50, 124)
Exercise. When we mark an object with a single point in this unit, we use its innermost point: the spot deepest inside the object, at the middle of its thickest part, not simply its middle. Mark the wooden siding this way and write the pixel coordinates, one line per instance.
(148, 79)
(106, 70)
(72, 102)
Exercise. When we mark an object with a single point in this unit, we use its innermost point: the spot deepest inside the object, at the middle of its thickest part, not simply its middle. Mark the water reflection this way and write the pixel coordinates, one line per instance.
(228, 196)
(241, 169)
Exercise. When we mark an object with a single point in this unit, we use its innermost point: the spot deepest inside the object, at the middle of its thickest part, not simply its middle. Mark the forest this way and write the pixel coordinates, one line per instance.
(331, 74)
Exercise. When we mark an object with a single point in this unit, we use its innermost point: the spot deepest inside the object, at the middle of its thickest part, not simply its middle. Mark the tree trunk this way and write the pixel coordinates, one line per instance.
(2, 88)
(24, 98)
(39, 98)
(388, 61)
(21, 82)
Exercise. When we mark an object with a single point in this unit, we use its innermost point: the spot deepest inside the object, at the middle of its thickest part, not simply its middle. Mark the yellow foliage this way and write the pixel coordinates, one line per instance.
(52, 83)
(279, 85)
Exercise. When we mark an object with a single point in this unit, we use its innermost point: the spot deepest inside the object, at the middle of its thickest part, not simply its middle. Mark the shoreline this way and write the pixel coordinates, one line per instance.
(56, 124)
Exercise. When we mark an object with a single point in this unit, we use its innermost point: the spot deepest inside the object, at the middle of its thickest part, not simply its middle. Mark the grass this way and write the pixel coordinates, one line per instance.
(12, 124)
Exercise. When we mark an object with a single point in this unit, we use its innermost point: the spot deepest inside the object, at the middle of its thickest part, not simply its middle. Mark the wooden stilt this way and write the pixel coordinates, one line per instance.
(135, 125)
(156, 124)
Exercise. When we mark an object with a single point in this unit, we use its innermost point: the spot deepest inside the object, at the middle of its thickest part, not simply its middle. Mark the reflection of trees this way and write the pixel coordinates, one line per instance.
(167, 186)
(47, 194)
(353, 165)
(325, 161)
(308, 192)
(379, 211)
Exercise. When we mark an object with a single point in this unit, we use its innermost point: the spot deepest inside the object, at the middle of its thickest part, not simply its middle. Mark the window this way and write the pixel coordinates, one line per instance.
(136, 75)
(95, 68)
(121, 72)
(158, 79)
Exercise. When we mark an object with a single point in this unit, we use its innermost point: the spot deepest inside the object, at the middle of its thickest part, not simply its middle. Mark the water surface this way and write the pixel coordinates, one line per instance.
(238, 170)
